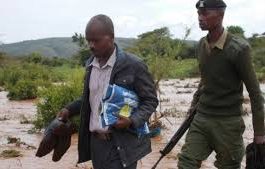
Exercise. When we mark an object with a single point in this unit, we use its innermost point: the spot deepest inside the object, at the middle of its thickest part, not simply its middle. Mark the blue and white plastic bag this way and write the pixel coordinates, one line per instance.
(120, 101)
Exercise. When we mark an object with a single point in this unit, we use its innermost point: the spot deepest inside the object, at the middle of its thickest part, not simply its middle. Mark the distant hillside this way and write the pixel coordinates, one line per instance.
(60, 47)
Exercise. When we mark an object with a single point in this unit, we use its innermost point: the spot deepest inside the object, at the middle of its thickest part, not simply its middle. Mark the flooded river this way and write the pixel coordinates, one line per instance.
(15, 117)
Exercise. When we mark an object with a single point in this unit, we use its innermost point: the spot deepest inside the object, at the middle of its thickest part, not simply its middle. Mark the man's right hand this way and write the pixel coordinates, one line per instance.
(63, 115)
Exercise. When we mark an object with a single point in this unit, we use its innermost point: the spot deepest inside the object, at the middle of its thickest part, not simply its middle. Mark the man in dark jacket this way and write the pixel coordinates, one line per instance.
(111, 147)
(225, 64)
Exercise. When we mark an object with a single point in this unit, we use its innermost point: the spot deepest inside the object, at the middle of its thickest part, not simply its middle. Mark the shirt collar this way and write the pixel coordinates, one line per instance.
(111, 61)
(219, 43)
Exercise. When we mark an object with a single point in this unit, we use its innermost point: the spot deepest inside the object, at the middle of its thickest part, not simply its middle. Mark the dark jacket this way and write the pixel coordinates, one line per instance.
(129, 72)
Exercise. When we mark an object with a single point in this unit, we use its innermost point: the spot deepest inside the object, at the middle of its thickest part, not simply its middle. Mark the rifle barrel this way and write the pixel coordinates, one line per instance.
(176, 137)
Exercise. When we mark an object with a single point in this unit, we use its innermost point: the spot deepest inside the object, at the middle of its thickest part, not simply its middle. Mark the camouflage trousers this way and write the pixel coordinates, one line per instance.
(207, 134)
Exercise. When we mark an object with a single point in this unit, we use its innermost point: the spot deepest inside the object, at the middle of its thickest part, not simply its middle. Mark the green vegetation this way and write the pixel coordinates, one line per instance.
(39, 59)
(10, 154)
(236, 30)
(162, 53)
(84, 52)
(23, 76)
(55, 97)
(258, 44)
(23, 89)
(186, 68)
(23, 79)
(157, 49)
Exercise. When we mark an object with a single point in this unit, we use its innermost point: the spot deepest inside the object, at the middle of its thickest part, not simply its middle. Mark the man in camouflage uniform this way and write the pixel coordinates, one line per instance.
(225, 64)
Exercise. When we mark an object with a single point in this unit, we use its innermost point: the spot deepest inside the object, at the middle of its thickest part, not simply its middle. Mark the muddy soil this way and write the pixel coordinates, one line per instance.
(175, 99)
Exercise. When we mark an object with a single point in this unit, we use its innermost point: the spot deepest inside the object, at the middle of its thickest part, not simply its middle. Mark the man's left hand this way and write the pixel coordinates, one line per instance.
(123, 122)
(259, 139)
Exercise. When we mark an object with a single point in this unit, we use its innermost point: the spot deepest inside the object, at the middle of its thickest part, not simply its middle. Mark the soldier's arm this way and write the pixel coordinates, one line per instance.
(247, 74)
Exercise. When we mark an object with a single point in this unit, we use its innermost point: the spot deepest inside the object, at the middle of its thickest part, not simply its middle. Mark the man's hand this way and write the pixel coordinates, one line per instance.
(259, 139)
(123, 122)
(63, 115)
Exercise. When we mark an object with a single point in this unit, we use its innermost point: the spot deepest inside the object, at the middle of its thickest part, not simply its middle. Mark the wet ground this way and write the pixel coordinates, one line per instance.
(15, 120)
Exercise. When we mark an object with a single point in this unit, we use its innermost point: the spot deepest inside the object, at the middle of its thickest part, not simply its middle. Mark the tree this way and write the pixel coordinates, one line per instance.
(160, 51)
(84, 52)
(156, 48)
(79, 39)
(236, 30)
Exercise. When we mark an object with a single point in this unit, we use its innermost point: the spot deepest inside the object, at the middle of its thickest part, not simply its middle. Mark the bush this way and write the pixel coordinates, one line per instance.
(259, 59)
(30, 77)
(62, 73)
(159, 68)
(37, 58)
(9, 75)
(23, 89)
(261, 74)
(52, 99)
(23, 80)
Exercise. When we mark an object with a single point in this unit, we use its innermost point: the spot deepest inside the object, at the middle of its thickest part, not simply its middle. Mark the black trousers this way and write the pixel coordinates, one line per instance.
(105, 155)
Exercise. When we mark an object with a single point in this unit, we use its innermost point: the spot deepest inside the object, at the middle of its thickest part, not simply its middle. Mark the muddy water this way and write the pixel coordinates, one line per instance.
(175, 96)
(12, 115)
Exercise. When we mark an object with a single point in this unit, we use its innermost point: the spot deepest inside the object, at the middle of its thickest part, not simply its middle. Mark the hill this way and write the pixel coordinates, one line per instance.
(60, 47)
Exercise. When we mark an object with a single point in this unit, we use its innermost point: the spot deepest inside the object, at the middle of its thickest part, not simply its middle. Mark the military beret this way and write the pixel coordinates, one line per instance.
(210, 4)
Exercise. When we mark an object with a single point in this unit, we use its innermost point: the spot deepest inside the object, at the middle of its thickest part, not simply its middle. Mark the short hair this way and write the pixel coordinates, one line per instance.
(107, 24)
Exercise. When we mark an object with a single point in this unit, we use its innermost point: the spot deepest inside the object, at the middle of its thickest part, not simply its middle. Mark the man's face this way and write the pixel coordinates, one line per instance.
(209, 19)
(100, 43)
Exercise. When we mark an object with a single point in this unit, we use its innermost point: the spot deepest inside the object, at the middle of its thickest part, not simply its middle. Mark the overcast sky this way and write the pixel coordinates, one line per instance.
(34, 19)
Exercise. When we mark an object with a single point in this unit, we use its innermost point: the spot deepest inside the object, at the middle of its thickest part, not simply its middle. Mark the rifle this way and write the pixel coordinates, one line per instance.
(174, 140)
